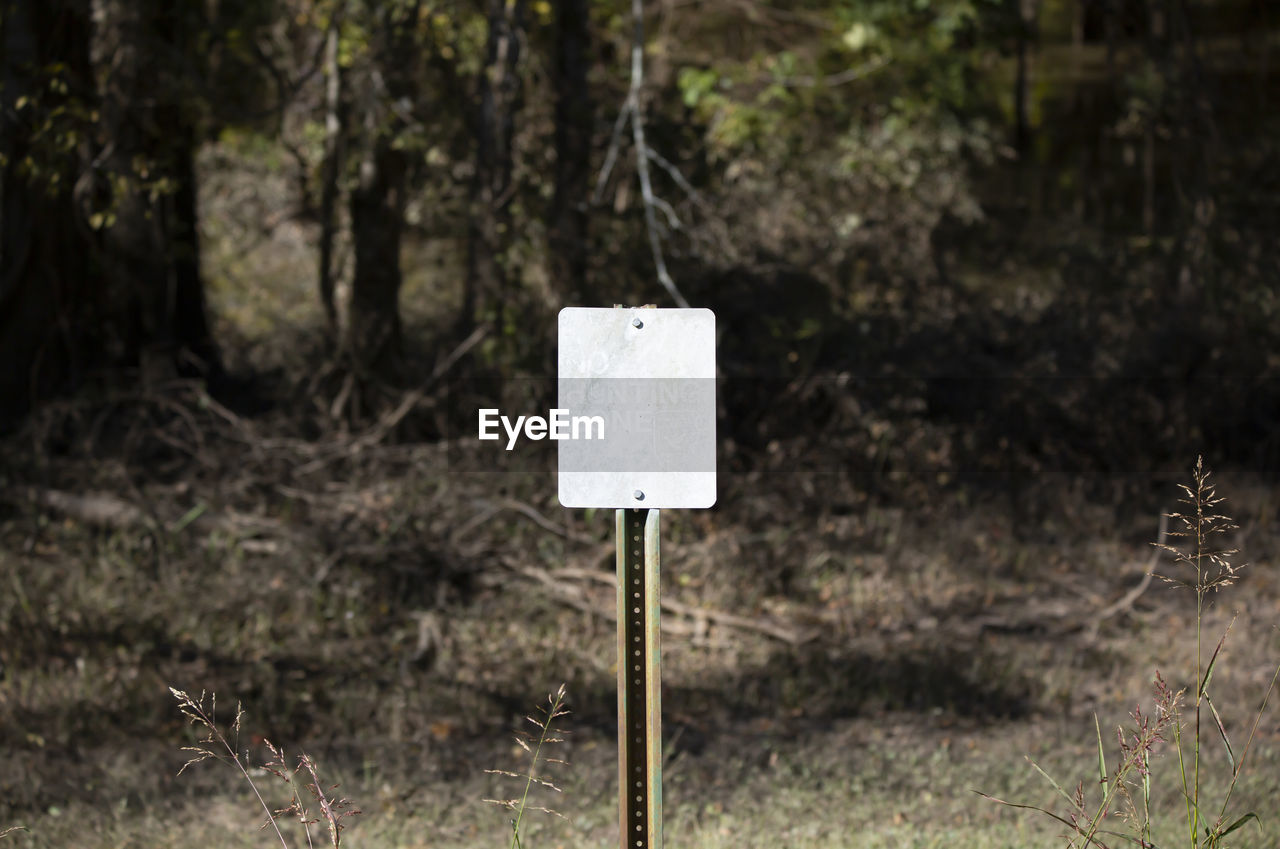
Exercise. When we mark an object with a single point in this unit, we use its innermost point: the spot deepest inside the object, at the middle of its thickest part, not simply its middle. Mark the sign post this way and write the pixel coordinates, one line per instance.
(639, 681)
(648, 375)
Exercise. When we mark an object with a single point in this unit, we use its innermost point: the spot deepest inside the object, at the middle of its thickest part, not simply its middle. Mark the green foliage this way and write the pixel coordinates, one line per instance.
(853, 102)
(56, 122)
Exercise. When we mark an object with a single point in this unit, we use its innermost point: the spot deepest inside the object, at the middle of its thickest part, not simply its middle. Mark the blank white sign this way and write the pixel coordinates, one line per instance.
(647, 376)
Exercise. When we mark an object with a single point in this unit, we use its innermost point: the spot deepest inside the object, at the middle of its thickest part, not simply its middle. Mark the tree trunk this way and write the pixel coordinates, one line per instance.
(152, 251)
(373, 339)
(489, 225)
(188, 325)
(567, 231)
(1109, 29)
(49, 297)
(72, 299)
(1028, 11)
(332, 168)
(1149, 178)
(377, 210)
(1196, 168)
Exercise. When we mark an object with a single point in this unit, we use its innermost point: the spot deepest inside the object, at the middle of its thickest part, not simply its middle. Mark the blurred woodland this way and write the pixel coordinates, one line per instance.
(988, 276)
(1046, 191)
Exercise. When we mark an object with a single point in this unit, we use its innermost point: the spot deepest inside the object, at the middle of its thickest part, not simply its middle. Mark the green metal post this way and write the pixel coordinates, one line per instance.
(639, 681)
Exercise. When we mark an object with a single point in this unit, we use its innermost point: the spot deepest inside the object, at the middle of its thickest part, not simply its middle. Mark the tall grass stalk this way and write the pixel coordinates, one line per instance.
(1206, 569)
(213, 744)
(1202, 566)
(534, 747)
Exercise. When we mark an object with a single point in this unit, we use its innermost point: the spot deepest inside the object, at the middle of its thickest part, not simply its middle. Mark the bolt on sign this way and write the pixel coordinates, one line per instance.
(649, 375)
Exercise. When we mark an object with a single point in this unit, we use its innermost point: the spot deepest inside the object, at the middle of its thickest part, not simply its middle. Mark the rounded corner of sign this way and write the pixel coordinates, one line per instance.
(710, 315)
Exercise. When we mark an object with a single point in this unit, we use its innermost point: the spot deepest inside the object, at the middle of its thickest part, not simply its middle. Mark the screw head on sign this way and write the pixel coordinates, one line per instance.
(637, 323)
(639, 495)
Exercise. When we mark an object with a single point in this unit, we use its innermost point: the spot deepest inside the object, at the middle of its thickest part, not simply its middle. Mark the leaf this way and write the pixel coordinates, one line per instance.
(1129, 838)
(1102, 757)
(1240, 822)
(1044, 811)
(1208, 672)
(189, 517)
(1222, 731)
(1146, 780)
(695, 84)
(1049, 778)
(858, 36)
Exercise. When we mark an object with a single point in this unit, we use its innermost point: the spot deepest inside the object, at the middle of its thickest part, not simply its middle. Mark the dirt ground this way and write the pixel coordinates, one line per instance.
(839, 668)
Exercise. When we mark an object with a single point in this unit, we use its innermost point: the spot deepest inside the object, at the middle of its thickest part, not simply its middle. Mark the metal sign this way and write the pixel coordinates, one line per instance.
(637, 430)
(638, 406)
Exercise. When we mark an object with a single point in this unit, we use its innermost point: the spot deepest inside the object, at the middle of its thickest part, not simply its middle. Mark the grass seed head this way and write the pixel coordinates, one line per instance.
(1199, 563)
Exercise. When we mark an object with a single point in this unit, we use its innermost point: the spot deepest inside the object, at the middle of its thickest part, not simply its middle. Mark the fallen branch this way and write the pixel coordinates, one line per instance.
(1056, 617)
(1126, 601)
(574, 597)
(557, 581)
(543, 522)
(489, 508)
(388, 422)
(411, 399)
(101, 510)
(95, 508)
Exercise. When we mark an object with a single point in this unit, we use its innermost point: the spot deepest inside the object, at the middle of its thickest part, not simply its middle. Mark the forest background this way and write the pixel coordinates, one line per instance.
(989, 275)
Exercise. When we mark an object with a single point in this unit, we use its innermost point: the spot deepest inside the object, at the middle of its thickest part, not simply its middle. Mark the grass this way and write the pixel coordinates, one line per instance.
(213, 744)
(309, 802)
(533, 747)
(381, 610)
(808, 799)
(871, 736)
(1203, 566)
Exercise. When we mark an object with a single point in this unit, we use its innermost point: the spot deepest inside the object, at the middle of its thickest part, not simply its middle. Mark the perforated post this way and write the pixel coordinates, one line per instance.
(639, 681)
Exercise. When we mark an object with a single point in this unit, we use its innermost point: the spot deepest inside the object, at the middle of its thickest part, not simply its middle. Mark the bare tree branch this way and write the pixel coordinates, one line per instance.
(611, 155)
(679, 179)
(840, 78)
(673, 220)
(642, 154)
